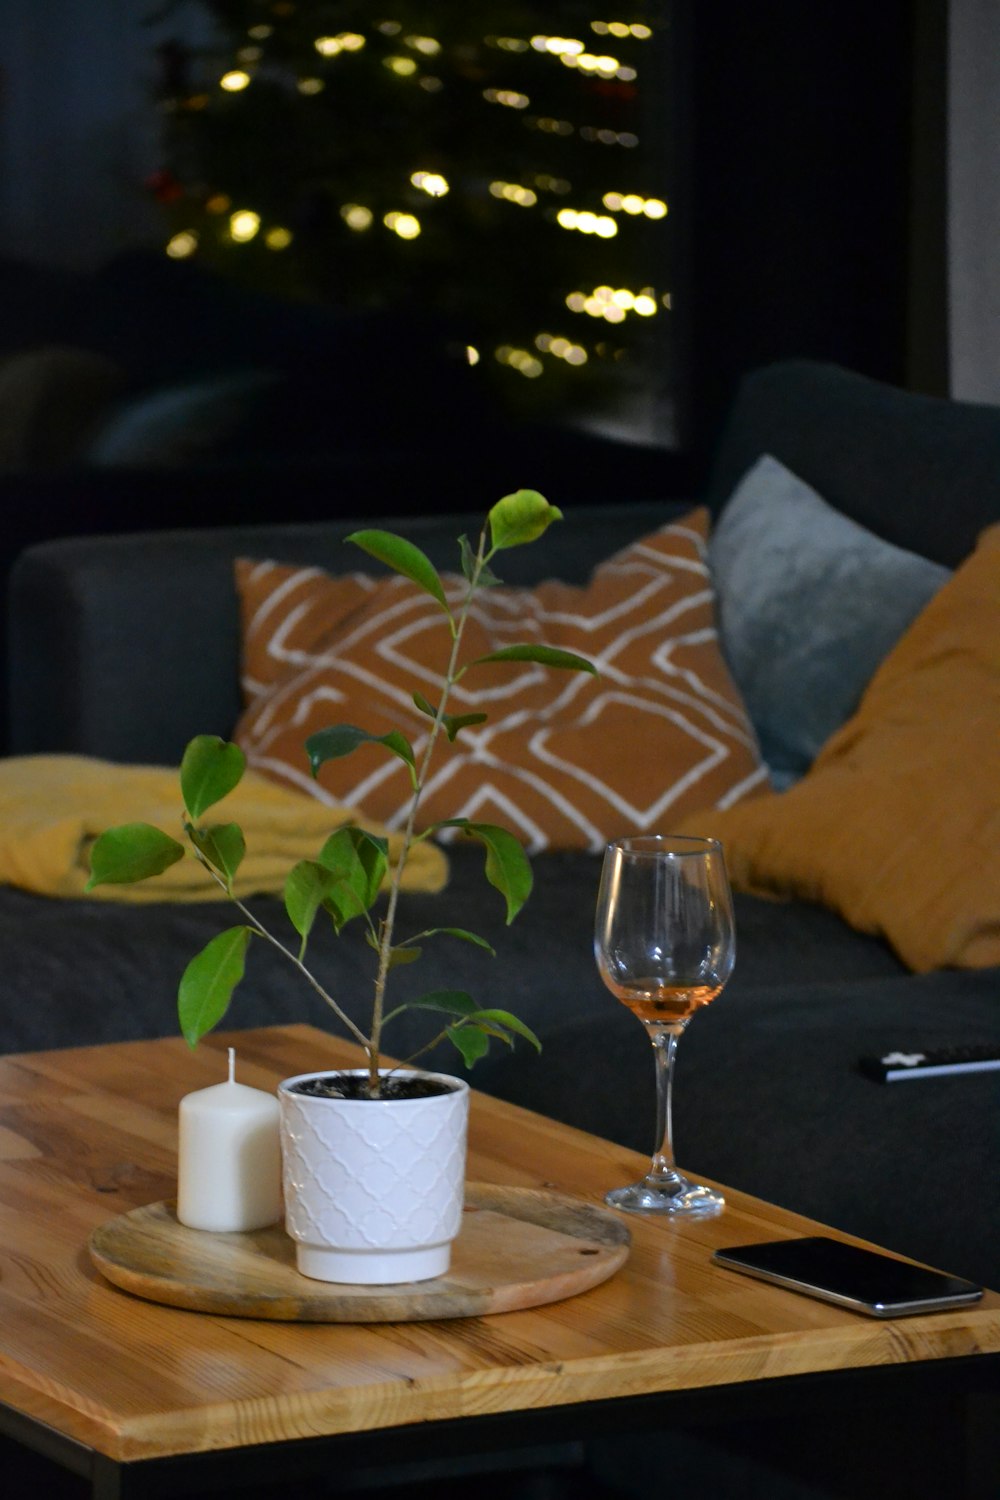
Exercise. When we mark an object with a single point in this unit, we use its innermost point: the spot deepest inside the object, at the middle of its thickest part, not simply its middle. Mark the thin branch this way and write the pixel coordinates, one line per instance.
(261, 931)
(385, 945)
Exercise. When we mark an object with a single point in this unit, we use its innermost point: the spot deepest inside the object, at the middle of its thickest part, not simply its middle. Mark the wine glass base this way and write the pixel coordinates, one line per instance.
(672, 1197)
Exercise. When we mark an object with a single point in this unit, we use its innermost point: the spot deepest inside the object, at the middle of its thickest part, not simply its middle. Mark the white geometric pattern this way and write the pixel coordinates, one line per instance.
(565, 760)
(384, 1175)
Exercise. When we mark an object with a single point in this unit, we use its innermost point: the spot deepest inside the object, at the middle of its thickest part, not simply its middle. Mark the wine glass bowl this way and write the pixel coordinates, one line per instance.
(665, 945)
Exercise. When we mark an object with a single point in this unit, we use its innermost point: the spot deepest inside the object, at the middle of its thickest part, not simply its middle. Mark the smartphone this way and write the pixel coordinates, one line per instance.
(850, 1276)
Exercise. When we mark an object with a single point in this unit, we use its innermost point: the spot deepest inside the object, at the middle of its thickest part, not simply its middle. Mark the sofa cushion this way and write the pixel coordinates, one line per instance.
(897, 825)
(550, 763)
(770, 1099)
(809, 604)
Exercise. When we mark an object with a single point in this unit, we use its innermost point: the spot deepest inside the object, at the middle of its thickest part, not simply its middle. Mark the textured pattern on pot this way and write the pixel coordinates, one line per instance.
(373, 1188)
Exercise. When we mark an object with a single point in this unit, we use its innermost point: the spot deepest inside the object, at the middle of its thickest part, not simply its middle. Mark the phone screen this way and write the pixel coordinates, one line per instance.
(851, 1276)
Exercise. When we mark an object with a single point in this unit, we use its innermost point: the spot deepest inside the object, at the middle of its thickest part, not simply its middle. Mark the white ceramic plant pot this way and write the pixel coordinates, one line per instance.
(373, 1188)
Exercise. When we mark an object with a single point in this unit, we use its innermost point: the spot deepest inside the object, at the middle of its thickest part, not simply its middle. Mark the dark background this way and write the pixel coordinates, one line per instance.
(809, 204)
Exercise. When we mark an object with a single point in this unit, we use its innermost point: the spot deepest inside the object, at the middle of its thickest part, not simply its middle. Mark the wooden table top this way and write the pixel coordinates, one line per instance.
(88, 1133)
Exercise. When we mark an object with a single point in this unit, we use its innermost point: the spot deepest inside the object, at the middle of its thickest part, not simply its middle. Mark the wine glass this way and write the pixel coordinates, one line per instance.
(665, 944)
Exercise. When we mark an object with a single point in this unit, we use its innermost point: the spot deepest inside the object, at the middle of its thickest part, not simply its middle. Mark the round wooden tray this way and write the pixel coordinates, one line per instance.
(518, 1247)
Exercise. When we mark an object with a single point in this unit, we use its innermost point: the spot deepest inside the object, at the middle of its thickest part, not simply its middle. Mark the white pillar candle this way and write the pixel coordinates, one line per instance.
(229, 1157)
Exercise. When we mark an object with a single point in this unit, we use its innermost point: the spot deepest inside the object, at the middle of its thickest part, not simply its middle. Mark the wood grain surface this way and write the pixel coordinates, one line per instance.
(517, 1248)
(90, 1133)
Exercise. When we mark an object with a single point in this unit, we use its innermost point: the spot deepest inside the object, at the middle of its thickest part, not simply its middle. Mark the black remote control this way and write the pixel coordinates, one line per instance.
(979, 1058)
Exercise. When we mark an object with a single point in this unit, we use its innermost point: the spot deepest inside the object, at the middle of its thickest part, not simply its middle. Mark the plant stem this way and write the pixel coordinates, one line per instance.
(373, 1045)
(262, 931)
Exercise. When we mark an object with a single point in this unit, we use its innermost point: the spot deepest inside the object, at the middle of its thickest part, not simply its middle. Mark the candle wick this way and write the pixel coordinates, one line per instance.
(232, 1064)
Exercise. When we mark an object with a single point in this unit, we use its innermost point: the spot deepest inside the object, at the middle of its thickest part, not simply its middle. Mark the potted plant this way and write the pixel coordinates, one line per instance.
(374, 1158)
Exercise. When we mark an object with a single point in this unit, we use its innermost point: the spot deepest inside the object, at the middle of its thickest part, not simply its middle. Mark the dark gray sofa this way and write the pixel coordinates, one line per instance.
(123, 647)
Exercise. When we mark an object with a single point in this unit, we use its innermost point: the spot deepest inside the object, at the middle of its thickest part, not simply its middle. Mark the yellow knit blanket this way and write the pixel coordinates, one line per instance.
(52, 808)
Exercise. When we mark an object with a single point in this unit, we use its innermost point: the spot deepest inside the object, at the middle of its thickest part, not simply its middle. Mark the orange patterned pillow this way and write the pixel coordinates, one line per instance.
(566, 760)
(897, 824)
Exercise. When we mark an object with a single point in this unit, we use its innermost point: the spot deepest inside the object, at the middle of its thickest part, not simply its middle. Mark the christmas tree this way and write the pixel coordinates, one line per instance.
(499, 169)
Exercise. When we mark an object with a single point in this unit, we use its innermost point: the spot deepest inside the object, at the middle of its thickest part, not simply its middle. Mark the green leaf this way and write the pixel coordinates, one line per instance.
(507, 867)
(403, 557)
(471, 1041)
(208, 982)
(210, 769)
(359, 860)
(507, 1021)
(341, 739)
(487, 578)
(474, 1026)
(222, 844)
(546, 656)
(519, 518)
(421, 703)
(452, 1002)
(307, 888)
(462, 934)
(452, 723)
(132, 851)
(402, 954)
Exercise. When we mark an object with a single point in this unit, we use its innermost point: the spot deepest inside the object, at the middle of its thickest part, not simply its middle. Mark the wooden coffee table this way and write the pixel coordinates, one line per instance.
(137, 1397)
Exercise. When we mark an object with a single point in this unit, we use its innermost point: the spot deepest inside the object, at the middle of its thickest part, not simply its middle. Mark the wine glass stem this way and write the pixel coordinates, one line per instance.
(664, 1039)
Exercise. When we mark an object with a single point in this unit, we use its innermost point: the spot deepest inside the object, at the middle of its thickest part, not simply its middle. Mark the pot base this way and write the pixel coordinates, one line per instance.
(372, 1267)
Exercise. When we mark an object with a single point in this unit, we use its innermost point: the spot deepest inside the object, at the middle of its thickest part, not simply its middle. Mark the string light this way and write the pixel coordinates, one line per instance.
(606, 304)
(407, 226)
(609, 137)
(243, 225)
(521, 360)
(552, 127)
(346, 41)
(430, 182)
(622, 29)
(552, 184)
(181, 245)
(634, 204)
(356, 216)
(513, 192)
(587, 62)
(558, 46)
(508, 97)
(587, 223)
(560, 348)
(613, 303)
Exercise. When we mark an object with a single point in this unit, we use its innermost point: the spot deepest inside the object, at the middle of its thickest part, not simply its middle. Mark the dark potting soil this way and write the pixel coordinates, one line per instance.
(355, 1086)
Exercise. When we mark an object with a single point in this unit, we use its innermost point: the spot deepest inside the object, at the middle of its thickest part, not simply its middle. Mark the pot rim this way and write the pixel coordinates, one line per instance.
(454, 1085)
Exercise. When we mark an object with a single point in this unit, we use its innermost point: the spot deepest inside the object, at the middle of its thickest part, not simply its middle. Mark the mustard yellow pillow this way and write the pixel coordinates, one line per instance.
(897, 824)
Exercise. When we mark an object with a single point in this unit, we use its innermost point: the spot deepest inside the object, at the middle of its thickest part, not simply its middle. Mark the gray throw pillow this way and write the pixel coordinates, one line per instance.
(809, 603)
